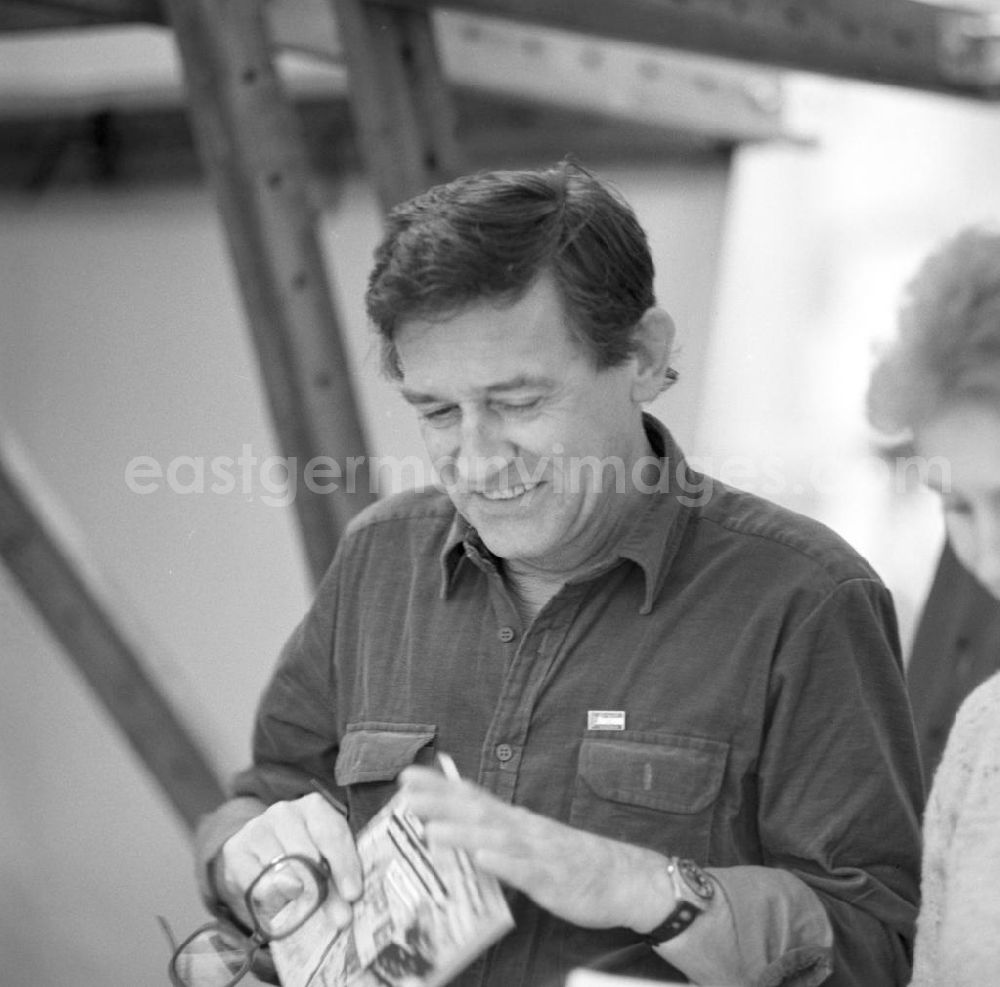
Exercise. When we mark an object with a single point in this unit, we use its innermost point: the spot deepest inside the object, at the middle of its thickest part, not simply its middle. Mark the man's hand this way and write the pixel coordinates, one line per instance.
(588, 880)
(309, 826)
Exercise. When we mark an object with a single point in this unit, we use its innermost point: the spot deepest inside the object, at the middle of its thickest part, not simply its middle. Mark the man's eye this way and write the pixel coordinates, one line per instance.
(439, 417)
(519, 407)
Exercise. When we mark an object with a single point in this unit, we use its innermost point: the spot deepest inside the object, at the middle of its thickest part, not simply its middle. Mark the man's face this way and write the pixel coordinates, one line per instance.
(967, 438)
(516, 420)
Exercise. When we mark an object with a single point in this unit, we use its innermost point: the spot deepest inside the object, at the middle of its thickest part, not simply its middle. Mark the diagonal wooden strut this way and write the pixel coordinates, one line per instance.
(38, 15)
(88, 621)
(251, 145)
(401, 106)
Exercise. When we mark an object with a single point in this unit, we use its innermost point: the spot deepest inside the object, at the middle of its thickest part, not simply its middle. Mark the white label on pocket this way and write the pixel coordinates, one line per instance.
(605, 719)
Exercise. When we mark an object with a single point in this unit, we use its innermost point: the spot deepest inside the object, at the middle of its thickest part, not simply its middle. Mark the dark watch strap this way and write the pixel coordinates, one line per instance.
(692, 892)
(680, 917)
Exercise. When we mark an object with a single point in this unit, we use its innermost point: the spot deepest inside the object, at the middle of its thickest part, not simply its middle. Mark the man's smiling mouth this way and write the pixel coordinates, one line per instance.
(507, 493)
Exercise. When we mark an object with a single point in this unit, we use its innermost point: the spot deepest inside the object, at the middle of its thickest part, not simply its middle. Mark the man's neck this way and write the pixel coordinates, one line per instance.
(531, 592)
(533, 585)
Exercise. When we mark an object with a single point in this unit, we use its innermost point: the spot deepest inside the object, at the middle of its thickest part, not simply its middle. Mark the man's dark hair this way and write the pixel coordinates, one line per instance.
(487, 237)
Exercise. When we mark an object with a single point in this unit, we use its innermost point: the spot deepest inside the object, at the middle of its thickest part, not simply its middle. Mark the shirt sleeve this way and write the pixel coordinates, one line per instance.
(296, 730)
(764, 927)
(839, 794)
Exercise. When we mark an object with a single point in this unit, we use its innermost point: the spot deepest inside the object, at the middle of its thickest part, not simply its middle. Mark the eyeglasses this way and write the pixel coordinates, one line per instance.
(281, 899)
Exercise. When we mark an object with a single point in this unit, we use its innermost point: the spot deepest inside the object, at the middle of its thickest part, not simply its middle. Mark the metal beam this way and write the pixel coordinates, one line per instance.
(89, 621)
(251, 145)
(900, 42)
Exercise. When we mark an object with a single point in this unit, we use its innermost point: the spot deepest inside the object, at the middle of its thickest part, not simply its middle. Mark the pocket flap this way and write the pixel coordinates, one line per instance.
(659, 771)
(379, 751)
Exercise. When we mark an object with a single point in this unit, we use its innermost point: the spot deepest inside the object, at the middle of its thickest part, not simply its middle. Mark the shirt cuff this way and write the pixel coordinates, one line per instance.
(765, 927)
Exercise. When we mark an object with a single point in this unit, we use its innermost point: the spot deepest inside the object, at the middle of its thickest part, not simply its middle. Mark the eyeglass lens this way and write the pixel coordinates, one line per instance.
(286, 893)
(212, 957)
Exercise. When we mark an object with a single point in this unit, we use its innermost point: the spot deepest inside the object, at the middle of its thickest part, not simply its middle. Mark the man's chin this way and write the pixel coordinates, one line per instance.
(505, 543)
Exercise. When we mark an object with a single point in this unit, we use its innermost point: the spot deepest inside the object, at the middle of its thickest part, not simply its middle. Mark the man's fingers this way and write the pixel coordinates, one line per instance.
(283, 893)
(516, 872)
(431, 796)
(330, 834)
(555, 865)
(307, 827)
(471, 838)
(419, 781)
(242, 858)
(287, 826)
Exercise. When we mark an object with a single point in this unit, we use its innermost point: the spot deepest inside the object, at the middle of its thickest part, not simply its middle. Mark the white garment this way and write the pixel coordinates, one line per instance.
(958, 931)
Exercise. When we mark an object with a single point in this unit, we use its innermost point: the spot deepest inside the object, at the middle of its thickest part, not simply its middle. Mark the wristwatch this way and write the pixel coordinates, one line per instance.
(694, 892)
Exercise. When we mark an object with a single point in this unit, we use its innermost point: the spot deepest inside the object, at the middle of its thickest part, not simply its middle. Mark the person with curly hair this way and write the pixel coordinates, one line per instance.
(939, 384)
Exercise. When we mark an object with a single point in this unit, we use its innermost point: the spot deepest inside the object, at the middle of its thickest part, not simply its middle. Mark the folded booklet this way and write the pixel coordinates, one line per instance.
(426, 912)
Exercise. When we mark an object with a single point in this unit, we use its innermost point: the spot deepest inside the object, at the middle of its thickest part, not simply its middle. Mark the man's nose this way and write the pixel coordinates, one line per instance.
(485, 448)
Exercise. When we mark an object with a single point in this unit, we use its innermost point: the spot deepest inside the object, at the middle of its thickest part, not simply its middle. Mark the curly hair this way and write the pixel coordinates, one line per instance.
(487, 237)
(947, 347)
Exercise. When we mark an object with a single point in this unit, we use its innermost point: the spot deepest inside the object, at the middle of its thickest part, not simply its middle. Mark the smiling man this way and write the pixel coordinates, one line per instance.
(679, 708)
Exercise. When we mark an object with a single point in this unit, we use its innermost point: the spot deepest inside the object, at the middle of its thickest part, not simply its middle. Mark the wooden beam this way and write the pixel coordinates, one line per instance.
(621, 80)
(401, 106)
(901, 42)
(156, 145)
(48, 15)
(625, 81)
(251, 145)
(921, 45)
(89, 620)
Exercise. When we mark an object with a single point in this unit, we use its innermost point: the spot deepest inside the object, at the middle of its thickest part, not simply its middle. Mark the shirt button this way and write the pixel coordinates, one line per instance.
(506, 634)
(504, 752)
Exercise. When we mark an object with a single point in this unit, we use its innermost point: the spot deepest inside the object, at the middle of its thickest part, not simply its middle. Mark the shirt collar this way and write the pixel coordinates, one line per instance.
(462, 543)
(651, 543)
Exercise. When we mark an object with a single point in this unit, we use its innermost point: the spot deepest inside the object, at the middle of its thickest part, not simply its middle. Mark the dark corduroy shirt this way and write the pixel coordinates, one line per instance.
(748, 653)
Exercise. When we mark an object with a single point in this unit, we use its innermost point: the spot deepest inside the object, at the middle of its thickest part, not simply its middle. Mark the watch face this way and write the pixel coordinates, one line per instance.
(696, 879)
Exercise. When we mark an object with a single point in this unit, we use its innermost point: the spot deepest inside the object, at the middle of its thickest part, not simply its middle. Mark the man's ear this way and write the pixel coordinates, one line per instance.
(654, 344)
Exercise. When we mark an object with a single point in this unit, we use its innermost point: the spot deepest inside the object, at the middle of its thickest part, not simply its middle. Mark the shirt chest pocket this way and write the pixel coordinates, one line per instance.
(654, 790)
(371, 757)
